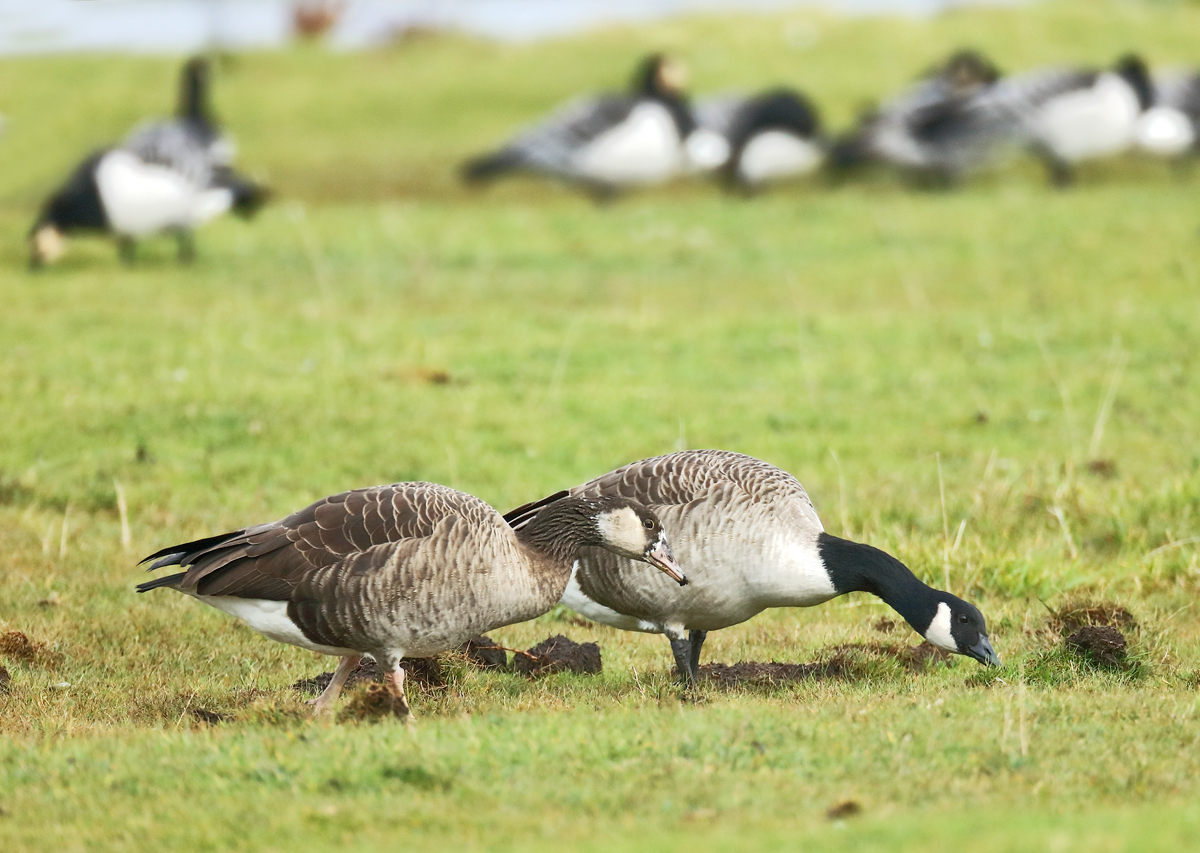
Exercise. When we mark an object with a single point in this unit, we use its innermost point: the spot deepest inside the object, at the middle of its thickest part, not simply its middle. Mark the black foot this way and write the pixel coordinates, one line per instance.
(682, 650)
(696, 640)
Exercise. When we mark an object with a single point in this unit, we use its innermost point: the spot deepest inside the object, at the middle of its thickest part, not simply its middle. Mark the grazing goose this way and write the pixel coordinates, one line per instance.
(170, 176)
(942, 128)
(1171, 127)
(407, 569)
(605, 142)
(1070, 115)
(769, 137)
(752, 540)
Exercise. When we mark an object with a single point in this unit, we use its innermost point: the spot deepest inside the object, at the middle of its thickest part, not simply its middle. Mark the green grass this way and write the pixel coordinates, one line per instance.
(859, 336)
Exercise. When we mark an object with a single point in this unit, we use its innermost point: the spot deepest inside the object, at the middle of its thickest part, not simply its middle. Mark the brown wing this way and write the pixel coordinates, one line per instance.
(271, 560)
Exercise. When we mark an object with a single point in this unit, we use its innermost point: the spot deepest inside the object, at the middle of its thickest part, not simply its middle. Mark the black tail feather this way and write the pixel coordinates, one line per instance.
(168, 580)
(176, 554)
(523, 514)
(248, 196)
(489, 166)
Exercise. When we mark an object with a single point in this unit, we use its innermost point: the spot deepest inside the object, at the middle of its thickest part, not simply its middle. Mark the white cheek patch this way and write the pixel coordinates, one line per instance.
(938, 631)
(622, 529)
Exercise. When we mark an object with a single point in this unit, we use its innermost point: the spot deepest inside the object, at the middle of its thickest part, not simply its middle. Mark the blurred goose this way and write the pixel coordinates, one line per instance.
(751, 540)
(942, 128)
(606, 142)
(1171, 127)
(768, 137)
(1073, 115)
(407, 569)
(170, 176)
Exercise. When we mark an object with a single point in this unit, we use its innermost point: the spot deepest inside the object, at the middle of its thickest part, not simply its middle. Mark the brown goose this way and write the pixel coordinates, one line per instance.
(408, 569)
(752, 540)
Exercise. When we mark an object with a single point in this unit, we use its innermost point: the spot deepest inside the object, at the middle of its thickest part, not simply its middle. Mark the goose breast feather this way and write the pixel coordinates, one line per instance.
(747, 529)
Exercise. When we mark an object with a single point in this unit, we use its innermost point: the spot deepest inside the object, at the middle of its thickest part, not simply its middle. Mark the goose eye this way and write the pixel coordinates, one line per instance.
(963, 619)
(648, 524)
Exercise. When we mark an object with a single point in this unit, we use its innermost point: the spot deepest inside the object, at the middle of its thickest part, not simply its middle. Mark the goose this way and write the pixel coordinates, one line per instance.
(768, 137)
(1071, 115)
(1171, 127)
(170, 176)
(607, 142)
(752, 540)
(943, 127)
(408, 569)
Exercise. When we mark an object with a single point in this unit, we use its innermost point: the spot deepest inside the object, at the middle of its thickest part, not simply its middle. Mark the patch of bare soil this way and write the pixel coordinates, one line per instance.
(1074, 615)
(17, 646)
(850, 660)
(843, 810)
(885, 625)
(1101, 644)
(558, 654)
(423, 672)
(204, 715)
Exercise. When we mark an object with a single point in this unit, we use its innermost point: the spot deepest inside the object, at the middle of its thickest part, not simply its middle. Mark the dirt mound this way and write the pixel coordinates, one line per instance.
(5, 680)
(558, 654)
(373, 703)
(885, 625)
(1074, 615)
(843, 810)
(17, 646)
(1101, 644)
(849, 660)
(484, 653)
(204, 715)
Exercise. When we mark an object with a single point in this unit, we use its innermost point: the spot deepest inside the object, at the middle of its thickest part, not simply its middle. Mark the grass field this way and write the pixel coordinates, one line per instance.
(997, 384)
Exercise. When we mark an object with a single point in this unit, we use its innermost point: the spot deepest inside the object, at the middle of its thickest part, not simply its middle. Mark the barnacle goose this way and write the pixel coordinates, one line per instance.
(409, 569)
(751, 539)
(767, 137)
(606, 142)
(941, 128)
(168, 176)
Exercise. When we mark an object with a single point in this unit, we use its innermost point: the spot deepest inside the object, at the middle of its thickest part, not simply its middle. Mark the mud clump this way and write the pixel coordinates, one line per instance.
(756, 672)
(423, 672)
(204, 715)
(843, 810)
(375, 702)
(1101, 644)
(5, 680)
(484, 653)
(17, 646)
(1074, 615)
(559, 654)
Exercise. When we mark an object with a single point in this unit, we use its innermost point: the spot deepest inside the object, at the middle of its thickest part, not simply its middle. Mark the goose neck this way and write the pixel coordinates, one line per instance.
(854, 567)
(556, 534)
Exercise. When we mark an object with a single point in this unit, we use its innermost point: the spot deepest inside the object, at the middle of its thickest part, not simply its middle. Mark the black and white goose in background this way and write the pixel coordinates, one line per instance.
(170, 176)
(769, 137)
(1171, 127)
(1069, 116)
(942, 128)
(410, 569)
(751, 539)
(608, 142)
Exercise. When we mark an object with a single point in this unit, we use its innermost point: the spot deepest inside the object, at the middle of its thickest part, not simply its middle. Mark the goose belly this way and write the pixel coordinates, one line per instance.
(644, 148)
(142, 198)
(1096, 122)
(1165, 131)
(269, 618)
(775, 154)
(731, 578)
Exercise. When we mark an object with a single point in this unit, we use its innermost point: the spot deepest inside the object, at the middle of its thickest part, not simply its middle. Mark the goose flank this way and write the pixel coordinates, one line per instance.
(752, 540)
(410, 569)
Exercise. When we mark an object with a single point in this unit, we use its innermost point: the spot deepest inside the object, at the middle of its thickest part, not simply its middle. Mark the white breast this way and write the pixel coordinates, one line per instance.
(1165, 131)
(644, 148)
(1095, 122)
(776, 154)
(142, 198)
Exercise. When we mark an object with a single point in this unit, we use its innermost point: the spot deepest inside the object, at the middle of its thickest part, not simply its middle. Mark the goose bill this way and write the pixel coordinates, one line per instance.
(660, 556)
(983, 652)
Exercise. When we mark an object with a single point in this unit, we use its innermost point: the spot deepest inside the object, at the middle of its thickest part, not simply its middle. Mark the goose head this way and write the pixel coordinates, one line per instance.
(968, 70)
(660, 75)
(958, 627)
(631, 530)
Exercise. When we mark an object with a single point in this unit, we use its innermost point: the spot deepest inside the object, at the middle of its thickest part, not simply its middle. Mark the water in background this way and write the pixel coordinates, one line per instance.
(175, 26)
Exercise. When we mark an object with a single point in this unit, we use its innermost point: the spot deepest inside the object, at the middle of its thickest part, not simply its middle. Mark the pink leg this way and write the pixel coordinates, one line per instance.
(395, 687)
(329, 695)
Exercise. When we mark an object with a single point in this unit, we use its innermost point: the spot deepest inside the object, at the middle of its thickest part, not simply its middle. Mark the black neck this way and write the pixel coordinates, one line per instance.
(560, 530)
(853, 567)
(1135, 73)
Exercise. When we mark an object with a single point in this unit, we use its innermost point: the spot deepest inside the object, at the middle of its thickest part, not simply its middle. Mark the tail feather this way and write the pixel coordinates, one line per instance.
(248, 196)
(176, 554)
(168, 580)
(490, 166)
(522, 515)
